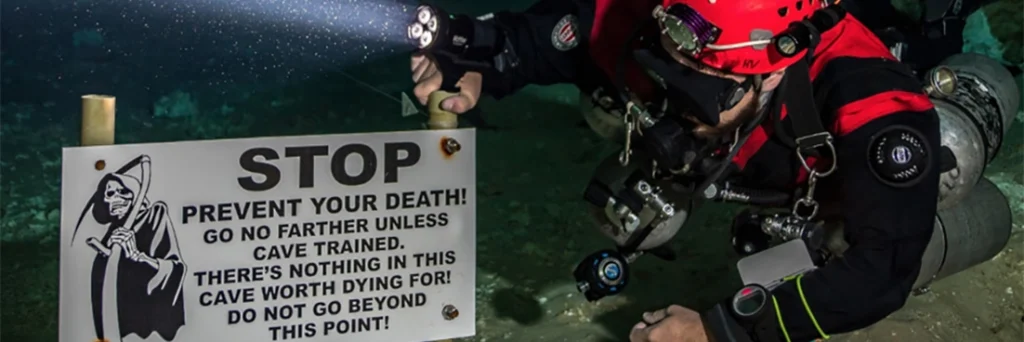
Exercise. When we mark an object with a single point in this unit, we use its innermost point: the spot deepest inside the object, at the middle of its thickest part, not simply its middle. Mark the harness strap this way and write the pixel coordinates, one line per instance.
(803, 110)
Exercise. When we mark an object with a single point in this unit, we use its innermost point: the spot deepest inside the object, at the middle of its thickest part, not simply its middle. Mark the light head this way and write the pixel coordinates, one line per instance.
(423, 30)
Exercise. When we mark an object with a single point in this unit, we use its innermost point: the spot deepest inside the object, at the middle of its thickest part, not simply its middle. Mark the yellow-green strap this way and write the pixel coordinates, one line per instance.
(800, 290)
(778, 314)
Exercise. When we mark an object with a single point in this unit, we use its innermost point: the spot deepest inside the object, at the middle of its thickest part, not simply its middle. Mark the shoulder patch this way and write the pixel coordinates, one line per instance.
(565, 34)
(899, 156)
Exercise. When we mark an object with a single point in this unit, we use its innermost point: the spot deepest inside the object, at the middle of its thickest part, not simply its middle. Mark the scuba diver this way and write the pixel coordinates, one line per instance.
(791, 105)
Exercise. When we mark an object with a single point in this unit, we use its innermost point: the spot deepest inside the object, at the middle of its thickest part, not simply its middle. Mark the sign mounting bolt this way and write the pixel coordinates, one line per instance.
(450, 145)
(449, 312)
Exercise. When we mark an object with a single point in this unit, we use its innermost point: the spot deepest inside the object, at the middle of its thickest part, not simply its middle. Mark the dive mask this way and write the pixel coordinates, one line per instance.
(691, 92)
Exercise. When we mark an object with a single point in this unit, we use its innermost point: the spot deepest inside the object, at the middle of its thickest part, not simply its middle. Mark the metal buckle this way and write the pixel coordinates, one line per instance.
(807, 201)
(812, 142)
(815, 141)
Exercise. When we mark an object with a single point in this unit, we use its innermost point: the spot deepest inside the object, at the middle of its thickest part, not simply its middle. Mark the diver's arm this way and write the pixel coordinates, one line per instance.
(888, 228)
(530, 45)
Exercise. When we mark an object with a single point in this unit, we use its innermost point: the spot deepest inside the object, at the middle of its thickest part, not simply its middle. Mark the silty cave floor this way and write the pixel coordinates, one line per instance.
(532, 228)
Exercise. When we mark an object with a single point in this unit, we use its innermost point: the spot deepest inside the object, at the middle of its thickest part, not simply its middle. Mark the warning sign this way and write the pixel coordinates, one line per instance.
(365, 237)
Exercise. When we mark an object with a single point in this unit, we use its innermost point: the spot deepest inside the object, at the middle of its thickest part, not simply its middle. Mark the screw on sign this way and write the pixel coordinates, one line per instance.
(450, 146)
(450, 312)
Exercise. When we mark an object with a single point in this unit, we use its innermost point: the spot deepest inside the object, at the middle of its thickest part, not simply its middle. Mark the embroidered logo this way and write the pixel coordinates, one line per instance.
(564, 35)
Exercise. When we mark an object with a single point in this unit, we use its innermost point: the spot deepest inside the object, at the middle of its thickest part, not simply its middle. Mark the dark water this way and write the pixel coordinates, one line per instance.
(271, 68)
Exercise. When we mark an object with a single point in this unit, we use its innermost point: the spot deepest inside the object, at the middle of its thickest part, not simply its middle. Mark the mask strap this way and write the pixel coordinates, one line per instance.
(758, 82)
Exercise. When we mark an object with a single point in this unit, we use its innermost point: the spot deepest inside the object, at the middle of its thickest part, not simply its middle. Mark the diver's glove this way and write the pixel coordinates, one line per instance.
(457, 43)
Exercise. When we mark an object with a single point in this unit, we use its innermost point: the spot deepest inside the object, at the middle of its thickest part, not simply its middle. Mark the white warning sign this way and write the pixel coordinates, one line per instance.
(363, 237)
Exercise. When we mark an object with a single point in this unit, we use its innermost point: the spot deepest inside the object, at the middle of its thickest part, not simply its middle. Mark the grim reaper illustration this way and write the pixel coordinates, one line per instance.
(138, 270)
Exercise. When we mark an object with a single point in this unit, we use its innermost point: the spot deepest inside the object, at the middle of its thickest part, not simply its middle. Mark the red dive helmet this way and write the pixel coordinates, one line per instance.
(735, 36)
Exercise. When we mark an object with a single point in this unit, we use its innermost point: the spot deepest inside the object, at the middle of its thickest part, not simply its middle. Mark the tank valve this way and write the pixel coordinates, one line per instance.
(941, 82)
(753, 232)
(788, 227)
(602, 274)
(651, 195)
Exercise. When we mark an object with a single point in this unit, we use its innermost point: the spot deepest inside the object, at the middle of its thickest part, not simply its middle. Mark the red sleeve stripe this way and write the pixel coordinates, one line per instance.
(848, 118)
(857, 113)
(753, 144)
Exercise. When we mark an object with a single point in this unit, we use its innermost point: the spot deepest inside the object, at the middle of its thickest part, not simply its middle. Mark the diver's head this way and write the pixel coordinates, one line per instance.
(745, 101)
(727, 53)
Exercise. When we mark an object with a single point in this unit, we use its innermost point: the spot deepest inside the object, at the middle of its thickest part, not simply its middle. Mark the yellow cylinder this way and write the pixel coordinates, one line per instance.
(97, 120)
(440, 118)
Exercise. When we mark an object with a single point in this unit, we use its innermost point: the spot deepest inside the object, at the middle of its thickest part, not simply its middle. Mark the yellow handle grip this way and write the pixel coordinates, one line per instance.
(98, 120)
(440, 118)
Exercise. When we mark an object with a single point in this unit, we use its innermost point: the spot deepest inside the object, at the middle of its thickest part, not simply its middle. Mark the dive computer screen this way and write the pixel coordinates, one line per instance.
(749, 301)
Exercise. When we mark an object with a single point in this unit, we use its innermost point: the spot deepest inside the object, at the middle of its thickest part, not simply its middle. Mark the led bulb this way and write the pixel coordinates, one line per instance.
(432, 25)
(426, 39)
(415, 31)
(423, 15)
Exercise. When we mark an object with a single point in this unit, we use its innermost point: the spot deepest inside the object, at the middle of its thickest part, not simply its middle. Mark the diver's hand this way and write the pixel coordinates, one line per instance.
(674, 323)
(428, 80)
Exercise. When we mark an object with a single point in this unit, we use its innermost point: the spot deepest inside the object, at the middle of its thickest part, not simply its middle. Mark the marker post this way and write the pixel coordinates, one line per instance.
(98, 129)
(440, 119)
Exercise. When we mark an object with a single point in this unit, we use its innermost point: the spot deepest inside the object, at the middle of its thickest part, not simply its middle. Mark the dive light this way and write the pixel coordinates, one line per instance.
(458, 44)
(423, 31)
(466, 39)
